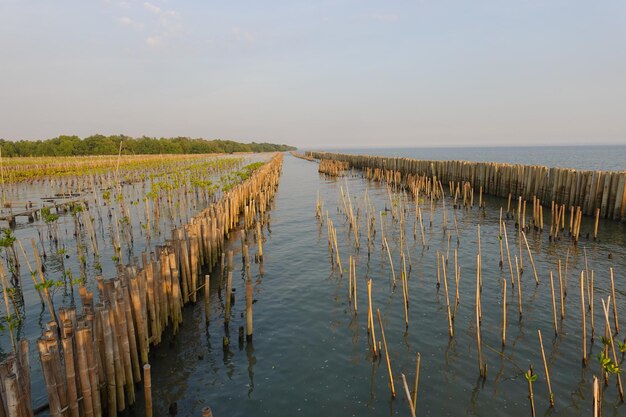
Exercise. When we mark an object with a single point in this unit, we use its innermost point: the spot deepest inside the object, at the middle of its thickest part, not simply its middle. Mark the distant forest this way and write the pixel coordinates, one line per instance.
(110, 145)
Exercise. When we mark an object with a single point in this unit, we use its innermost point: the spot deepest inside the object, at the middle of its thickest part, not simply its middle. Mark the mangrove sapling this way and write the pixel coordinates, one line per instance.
(7, 242)
(530, 378)
(611, 366)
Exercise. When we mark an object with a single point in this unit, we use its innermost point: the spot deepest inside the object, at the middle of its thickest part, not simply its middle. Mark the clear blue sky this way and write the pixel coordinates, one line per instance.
(317, 72)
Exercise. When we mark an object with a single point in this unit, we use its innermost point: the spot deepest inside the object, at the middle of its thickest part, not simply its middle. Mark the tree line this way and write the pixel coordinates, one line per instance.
(110, 145)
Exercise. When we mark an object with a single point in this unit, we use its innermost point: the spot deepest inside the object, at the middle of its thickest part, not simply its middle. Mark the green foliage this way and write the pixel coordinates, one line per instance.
(110, 145)
(530, 376)
(47, 216)
(8, 239)
(622, 346)
(608, 365)
(10, 321)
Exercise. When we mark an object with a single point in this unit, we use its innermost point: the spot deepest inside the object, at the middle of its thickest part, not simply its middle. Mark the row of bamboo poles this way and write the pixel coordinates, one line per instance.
(431, 190)
(590, 190)
(92, 360)
(332, 168)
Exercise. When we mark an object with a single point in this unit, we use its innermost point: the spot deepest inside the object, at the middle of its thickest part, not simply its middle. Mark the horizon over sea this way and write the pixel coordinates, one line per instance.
(585, 157)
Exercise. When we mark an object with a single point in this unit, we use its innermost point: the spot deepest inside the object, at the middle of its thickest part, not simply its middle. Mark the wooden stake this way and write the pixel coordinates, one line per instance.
(382, 332)
(582, 309)
(408, 395)
(532, 262)
(417, 378)
(545, 365)
(614, 302)
(556, 330)
(147, 387)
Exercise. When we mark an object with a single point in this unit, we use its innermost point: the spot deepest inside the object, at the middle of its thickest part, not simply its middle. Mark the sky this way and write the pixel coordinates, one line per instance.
(317, 73)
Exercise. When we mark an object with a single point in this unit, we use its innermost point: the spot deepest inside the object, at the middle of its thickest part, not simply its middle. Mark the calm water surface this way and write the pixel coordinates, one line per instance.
(609, 158)
(310, 354)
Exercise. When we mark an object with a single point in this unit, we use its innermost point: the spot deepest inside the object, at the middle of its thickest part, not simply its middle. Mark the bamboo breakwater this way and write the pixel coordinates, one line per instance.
(597, 193)
(93, 359)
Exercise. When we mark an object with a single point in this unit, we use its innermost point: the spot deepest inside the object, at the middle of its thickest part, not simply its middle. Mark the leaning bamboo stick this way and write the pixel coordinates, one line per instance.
(556, 329)
(605, 308)
(561, 288)
(371, 317)
(382, 332)
(519, 289)
(530, 255)
(545, 365)
(481, 367)
(582, 307)
(408, 395)
(614, 302)
(393, 272)
(445, 284)
(417, 378)
(503, 311)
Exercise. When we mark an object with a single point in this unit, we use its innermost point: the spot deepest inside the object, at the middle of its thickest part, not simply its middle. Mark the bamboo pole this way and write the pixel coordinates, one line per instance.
(545, 365)
(482, 368)
(561, 288)
(445, 284)
(370, 316)
(582, 308)
(605, 308)
(614, 302)
(382, 332)
(417, 378)
(532, 262)
(147, 386)
(207, 310)
(408, 395)
(393, 272)
(504, 311)
(556, 329)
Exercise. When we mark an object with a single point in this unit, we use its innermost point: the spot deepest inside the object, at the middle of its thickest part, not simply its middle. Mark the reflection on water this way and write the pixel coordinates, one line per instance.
(311, 352)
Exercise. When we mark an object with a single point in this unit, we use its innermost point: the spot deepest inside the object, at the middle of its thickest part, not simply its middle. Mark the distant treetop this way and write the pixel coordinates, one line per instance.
(110, 145)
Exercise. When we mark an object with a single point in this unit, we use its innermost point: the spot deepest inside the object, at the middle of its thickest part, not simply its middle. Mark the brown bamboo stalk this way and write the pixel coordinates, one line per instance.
(408, 395)
(614, 302)
(393, 272)
(371, 317)
(561, 288)
(605, 308)
(445, 284)
(147, 387)
(519, 289)
(530, 255)
(503, 311)
(582, 307)
(556, 329)
(417, 378)
(545, 365)
(382, 332)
